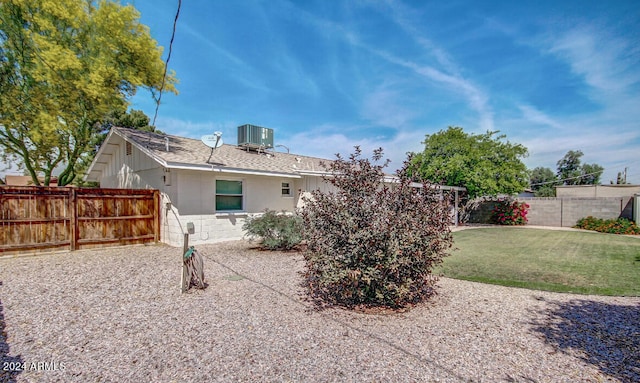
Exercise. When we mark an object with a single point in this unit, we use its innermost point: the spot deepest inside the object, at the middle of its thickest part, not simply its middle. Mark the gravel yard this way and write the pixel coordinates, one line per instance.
(117, 315)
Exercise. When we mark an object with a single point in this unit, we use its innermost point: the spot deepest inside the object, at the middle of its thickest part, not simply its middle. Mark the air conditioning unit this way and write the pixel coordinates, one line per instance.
(255, 137)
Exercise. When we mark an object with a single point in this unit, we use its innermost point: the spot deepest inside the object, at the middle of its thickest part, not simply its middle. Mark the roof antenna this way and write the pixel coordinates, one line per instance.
(213, 141)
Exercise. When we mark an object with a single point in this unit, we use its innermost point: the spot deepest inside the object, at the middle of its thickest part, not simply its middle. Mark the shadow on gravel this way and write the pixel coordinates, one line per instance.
(604, 335)
(420, 358)
(10, 366)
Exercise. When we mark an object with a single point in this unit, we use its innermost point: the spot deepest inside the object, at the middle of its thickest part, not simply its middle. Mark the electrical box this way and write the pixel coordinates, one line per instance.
(191, 229)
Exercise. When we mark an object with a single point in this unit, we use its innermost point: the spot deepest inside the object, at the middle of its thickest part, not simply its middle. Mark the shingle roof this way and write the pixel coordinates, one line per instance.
(192, 153)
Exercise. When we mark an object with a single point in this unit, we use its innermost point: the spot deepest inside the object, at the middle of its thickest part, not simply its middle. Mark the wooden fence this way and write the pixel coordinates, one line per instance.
(48, 218)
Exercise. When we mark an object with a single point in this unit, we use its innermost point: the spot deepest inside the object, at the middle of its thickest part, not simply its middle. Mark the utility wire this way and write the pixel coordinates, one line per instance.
(566, 179)
(166, 65)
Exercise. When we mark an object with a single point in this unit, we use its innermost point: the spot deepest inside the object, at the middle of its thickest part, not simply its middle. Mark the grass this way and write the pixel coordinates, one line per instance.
(551, 260)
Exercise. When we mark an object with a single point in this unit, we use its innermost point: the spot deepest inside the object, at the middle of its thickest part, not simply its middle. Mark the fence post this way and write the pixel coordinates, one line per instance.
(156, 215)
(185, 280)
(73, 222)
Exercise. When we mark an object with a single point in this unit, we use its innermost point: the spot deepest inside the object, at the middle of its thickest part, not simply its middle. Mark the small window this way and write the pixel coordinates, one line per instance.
(228, 195)
(128, 148)
(286, 189)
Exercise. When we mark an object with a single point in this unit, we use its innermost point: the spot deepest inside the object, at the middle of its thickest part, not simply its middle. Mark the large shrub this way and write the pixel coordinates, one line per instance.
(278, 231)
(373, 243)
(611, 226)
(510, 212)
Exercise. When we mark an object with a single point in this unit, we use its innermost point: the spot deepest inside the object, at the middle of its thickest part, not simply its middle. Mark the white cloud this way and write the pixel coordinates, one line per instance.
(325, 141)
(453, 81)
(448, 74)
(383, 108)
(546, 147)
(187, 128)
(605, 62)
(405, 18)
(530, 113)
(215, 47)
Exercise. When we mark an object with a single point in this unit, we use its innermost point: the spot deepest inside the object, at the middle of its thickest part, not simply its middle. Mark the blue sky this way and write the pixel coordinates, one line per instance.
(328, 75)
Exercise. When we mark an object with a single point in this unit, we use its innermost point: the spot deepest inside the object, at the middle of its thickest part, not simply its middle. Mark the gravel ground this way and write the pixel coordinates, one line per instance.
(117, 315)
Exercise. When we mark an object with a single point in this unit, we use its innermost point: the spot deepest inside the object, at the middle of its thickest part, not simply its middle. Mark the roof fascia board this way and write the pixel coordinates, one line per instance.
(313, 173)
(98, 154)
(395, 179)
(211, 168)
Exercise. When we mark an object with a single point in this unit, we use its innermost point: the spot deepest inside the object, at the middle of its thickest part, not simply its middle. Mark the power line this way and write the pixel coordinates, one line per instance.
(567, 179)
(166, 65)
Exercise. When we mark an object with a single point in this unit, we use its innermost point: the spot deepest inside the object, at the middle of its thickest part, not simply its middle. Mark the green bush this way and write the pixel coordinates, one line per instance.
(277, 231)
(509, 212)
(371, 243)
(612, 226)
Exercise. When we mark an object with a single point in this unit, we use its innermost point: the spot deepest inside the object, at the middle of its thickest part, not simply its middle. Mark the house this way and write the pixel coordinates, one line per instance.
(211, 188)
(215, 189)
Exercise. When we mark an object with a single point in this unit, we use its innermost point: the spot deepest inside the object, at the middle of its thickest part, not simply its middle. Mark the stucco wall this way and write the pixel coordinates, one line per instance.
(597, 191)
(193, 200)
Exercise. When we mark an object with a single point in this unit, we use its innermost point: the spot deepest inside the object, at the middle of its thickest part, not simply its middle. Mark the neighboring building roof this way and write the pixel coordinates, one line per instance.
(11, 180)
(189, 153)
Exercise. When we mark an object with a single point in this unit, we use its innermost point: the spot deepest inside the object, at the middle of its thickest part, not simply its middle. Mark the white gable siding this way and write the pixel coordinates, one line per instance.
(133, 171)
(311, 183)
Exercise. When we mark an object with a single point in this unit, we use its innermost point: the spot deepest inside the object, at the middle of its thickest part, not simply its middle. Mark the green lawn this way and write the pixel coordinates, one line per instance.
(563, 261)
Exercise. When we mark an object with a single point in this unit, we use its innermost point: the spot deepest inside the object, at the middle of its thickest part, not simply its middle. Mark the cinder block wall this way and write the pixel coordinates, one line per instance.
(567, 211)
(480, 212)
(562, 212)
(544, 211)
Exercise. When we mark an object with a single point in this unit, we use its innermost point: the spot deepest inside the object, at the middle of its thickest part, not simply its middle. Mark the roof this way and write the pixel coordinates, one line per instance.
(189, 153)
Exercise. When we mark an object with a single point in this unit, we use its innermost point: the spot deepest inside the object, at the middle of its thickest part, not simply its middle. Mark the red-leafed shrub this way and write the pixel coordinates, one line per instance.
(509, 212)
(373, 243)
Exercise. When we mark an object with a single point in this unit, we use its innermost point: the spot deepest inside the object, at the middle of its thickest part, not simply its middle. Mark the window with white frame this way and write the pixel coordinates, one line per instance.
(229, 196)
(286, 189)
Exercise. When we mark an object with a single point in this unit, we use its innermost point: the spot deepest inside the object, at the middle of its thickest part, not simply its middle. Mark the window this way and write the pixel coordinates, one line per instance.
(228, 195)
(128, 148)
(286, 189)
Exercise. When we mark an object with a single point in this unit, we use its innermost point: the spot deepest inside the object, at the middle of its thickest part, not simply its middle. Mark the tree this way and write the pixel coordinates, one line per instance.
(621, 179)
(543, 182)
(64, 65)
(133, 119)
(372, 243)
(590, 174)
(483, 163)
(571, 171)
(569, 168)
